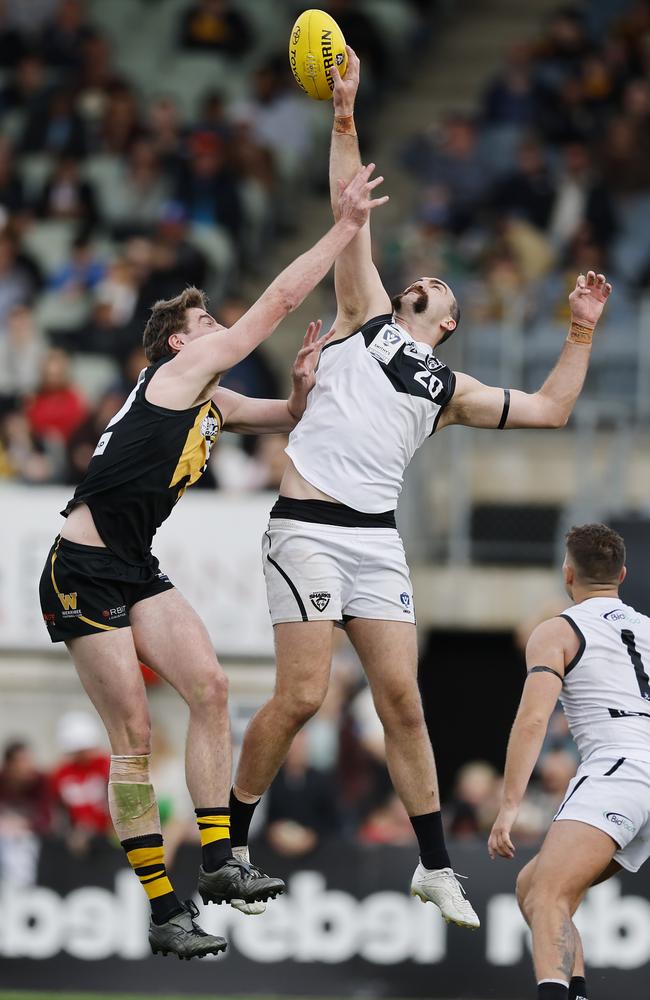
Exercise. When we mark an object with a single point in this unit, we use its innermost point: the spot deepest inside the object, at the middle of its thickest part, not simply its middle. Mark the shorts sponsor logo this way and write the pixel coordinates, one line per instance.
(114, 612)
(621, 821)
(320, 599)
(49, 617)
(405, 599)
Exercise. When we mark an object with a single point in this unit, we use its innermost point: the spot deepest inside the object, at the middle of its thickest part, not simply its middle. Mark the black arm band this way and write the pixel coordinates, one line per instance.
(506, 408)
(545, 670)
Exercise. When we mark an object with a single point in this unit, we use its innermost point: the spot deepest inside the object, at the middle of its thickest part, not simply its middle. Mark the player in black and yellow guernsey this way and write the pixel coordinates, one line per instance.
(103, 594)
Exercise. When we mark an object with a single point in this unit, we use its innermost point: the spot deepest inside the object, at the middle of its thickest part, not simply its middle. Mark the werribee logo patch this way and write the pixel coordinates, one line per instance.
(320, 599)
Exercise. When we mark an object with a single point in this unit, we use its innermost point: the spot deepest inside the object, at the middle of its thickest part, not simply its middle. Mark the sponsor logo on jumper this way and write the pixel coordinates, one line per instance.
(618, 820)
(69, 601)
(615, 616)
(386, 344)
(320, 599)
(101, 444)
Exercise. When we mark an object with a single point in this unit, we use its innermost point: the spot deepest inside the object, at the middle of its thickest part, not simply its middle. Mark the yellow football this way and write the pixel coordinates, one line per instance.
(316, 44)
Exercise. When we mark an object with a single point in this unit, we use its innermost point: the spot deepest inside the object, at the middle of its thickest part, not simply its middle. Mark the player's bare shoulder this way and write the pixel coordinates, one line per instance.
(554, 639)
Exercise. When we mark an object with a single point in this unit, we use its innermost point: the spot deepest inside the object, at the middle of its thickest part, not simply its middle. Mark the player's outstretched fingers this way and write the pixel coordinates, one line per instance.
(591, 278)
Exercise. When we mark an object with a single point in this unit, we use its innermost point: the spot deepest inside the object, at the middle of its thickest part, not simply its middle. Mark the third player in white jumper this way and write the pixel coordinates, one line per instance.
(595, 659)
(332, 551)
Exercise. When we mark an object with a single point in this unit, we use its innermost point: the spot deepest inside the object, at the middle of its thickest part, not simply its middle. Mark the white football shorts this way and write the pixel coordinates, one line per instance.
(317, 572)
(613, 794)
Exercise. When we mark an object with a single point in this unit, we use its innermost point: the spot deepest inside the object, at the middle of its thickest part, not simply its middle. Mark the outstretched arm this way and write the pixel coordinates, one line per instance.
(244, 415)
(478, 405)
(359, 291)
(201, 360)
(551, 646)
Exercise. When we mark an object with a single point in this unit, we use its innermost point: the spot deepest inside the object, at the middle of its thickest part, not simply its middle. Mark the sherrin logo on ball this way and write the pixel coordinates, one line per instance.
(316, 44)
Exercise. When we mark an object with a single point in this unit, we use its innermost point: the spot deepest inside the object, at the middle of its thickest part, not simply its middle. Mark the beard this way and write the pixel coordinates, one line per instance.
(419, 305)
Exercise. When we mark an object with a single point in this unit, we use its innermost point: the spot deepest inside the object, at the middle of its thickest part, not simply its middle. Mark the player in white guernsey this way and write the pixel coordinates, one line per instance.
(332, 551)
(595, 658)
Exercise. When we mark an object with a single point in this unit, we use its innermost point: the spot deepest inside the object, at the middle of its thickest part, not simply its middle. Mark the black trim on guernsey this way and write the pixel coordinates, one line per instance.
(620, 713)
(505, 411)
(301, 606)
(614, 767)
(325, 512)
(546, 670)
(386, 317)
(581, 782)
(583, 644)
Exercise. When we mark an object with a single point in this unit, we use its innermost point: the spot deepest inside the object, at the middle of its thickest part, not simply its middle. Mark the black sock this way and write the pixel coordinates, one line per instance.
(214, 831)
(147, 858)
(241, 814)
(578, 988)
(431, 838)
(552, 991)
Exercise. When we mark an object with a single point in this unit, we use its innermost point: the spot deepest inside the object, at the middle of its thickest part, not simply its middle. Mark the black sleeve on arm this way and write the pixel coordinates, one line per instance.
(506, 408)
(546, 670)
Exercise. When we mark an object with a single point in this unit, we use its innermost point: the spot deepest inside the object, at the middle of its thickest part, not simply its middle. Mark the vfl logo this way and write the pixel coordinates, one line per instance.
(618, 820)
(405, 599)
(320, 599)
(390, 337)
(69, 601)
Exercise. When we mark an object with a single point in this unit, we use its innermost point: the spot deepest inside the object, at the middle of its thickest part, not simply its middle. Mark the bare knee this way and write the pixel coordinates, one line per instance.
(299, 707)
(401, 714)
(209, 692)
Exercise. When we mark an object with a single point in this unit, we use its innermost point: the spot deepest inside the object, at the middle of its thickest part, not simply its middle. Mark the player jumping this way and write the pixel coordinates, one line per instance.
(595, 659)
(103, 594)
(332, 550)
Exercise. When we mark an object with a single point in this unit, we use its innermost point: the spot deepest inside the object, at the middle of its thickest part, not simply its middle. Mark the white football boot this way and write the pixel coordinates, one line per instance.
(441, 886)
(251, 909)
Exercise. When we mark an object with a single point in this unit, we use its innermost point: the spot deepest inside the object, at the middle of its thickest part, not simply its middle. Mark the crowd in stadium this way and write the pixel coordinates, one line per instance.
(549, 174)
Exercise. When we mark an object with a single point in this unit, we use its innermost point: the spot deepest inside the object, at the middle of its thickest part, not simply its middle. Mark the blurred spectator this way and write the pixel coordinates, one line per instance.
(580, 196)
(79, 783)
(120, 125)
(24, 813)
(57, 407)
(23, 455)
(475, 802)
(23, 788)
(511, 98)
(17, 283)
(165, 132)
(12, 45)
(363, 35)
(27, 90)
(82, 272)
(67, 196)
(22, 350)
(388, 823)
(12, 197)
(64, 35)
(453, 160)
(56, 128)
(215, 26)
(528, 192)
(138, 198)
(278, 117)
(302, 803)
(207, 187)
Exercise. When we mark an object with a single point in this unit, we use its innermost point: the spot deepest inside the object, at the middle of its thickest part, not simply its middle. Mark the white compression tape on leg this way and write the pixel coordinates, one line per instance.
(131, 798)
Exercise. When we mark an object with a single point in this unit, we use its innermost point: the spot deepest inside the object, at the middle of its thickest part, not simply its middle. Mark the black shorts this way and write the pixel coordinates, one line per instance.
(85, 589)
